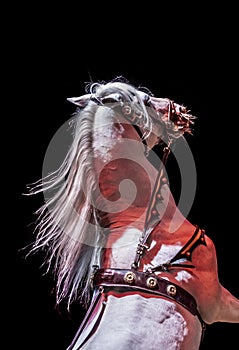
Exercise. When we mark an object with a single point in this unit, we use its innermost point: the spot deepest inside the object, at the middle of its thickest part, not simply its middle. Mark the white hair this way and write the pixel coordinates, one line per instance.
(67, 224)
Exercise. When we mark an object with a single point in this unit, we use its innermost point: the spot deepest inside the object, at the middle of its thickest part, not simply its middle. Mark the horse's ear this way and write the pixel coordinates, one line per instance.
(80, 101)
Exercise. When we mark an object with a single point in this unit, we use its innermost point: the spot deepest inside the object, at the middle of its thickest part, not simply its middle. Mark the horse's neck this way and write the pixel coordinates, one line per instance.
(123, 159)
(123, 241)
(171, 218)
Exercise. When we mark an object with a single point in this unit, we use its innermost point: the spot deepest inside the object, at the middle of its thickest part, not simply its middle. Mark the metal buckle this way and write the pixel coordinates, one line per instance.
(92, 276)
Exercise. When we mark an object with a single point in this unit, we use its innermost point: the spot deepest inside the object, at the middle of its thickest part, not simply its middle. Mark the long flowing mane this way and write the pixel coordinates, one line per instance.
(67, 227)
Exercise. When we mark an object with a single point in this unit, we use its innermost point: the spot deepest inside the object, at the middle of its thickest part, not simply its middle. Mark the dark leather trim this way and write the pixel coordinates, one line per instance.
(87, 316)
(118, 278)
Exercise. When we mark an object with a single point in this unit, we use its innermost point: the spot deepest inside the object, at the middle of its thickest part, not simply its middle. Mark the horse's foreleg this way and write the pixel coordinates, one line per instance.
(228, 308)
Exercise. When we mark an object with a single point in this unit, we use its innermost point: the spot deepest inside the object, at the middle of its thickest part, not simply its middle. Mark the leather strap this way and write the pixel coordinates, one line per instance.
(145, 282)
(151, 211)
(87, 316)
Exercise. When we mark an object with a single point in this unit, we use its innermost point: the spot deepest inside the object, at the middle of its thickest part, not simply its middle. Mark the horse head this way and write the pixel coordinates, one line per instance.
(162, 117)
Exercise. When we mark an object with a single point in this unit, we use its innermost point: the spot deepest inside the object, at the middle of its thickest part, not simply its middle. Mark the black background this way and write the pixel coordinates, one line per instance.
(188, 57)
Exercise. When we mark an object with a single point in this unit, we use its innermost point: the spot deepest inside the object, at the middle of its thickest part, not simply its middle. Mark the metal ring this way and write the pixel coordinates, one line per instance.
(126, 110)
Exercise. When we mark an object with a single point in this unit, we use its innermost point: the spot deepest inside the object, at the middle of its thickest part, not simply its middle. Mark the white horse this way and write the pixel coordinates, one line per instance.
(116, 240)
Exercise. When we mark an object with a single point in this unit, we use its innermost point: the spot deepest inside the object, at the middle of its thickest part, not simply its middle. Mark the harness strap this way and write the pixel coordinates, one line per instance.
(94, 301)
(184, 253)
(151, 211)
(145, 282)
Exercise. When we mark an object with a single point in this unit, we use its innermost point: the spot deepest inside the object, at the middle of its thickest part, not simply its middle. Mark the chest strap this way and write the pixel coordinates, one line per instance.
(123, 279)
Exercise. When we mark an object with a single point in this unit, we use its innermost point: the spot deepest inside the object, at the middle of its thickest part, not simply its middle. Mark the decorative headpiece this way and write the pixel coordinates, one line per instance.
(176, 117)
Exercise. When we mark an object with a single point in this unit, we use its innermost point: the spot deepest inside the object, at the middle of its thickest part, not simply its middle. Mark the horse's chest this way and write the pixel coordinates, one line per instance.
(135, 322)
(122, 254)
(161, 255)
(122, 248)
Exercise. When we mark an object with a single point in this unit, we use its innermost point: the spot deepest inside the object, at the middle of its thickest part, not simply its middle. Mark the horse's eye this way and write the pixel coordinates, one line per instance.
(182, 109)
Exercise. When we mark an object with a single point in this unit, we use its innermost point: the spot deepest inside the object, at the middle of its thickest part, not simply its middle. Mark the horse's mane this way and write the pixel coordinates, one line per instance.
(67, 226)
